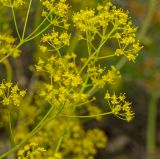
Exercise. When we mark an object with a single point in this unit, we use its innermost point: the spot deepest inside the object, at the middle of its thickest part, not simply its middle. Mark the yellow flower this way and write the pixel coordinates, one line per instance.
(43, 48)
(58, 9)
(7, 46)
(57, 155)
(95, 21)
(32, 150)
(56, 40)
(15, 3)
(10, 94)
(119, 106)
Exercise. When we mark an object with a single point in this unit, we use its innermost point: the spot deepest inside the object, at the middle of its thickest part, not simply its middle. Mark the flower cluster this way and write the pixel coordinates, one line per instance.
(83, 144)
(61, 96)
(99, 78)
(58, 10)
(32, 151)
(119, 106)
(15, 3)
(109, 22)
(56, 97)
(64, 84)
(65, 81)
(127, 40)
(77, 142)
(94, 109)
(85, 20)
(10, 94)
(57, 155)
(61, 70)
(91, 19)
(56, 40)
(7, 46)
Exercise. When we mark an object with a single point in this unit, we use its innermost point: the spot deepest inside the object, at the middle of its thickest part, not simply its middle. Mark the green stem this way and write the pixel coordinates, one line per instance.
(85, 84)
(105, 57)
(26, 20)
(38, 27)
(92, 90)
(37, 17)
(5, 57)
(103, 41)
(15, 21)
(62, 137)
(151, 125)
(8, 70)
(74, 42)
(148, 19)
(10, 128)
(31, 38)
(88, 42)
(30, 135)
(121, 63)
(24, 41)
(74, 116)
(86, 116)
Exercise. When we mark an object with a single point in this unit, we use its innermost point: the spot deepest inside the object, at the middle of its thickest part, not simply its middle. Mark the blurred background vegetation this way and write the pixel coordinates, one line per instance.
(139, 139)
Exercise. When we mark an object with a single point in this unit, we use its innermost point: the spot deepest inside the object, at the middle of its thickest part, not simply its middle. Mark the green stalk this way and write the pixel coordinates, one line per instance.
(74, 42)
(8, 70)
(15, 21)
(87, 116)
(26, 20)
(151, 125)
(152, 110)
(39, 126)
(29, 39)
(62, 137)
(11, 134)
(9, 54)
(121, 63)
(147, 22)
